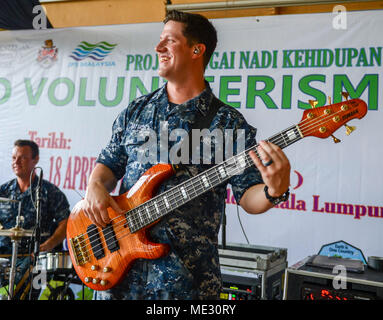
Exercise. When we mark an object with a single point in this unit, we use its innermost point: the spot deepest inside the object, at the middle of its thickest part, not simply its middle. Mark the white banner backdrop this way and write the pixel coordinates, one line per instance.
(63, 88)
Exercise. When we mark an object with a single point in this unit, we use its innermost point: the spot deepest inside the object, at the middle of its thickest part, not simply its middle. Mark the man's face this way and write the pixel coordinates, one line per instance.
(22, 161)
(174, 53)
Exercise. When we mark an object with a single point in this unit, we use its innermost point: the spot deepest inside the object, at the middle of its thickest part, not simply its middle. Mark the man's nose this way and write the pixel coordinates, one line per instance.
(160, 46)
(16, 160)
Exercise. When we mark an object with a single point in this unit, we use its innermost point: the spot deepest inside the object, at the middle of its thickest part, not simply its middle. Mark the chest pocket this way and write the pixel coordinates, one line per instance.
(141, 145)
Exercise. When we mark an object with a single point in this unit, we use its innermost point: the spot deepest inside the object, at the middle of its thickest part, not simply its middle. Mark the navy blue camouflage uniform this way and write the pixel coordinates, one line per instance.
(54, 209)
(191, 270)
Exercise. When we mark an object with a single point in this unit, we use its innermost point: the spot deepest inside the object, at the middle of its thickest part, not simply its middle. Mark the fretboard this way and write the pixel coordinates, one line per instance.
(164, 203)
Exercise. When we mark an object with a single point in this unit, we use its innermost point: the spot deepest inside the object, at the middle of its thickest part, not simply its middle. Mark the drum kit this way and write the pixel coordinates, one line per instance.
(53, 263)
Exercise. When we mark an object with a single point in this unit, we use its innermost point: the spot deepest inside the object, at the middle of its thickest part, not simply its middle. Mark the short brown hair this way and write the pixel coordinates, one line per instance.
(198, 29)
(33, 145)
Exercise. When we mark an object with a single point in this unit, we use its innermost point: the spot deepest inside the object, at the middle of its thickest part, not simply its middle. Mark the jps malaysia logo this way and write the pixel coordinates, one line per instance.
(96, 52)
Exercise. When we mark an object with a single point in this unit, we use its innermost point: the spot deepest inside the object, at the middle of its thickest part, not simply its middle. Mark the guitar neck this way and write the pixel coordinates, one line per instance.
(162, 204)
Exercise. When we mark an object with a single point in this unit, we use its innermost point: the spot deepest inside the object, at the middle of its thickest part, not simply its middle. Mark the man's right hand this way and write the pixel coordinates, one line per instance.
(97, 197)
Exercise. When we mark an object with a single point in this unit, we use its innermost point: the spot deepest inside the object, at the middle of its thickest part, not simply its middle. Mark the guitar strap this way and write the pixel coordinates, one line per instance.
(202, 122)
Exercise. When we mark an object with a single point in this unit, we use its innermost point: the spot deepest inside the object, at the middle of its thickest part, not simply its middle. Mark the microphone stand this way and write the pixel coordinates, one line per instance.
(224, 231)
(15, 245)
(37, 237)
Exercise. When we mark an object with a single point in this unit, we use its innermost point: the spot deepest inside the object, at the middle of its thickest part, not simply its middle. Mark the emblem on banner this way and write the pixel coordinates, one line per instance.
(97, 51)
(47, 54)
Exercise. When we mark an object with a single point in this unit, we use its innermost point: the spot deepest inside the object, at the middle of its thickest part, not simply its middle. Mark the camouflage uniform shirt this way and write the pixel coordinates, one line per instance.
(54, 208)
(191, 270)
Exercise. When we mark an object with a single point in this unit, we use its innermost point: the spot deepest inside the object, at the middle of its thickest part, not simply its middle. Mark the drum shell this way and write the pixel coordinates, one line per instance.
(54, 262)
(41, 262)
(51, 262)
(63, 261)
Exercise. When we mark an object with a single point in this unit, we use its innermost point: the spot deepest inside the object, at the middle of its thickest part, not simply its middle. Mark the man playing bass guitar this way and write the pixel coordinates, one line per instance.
(191, 268)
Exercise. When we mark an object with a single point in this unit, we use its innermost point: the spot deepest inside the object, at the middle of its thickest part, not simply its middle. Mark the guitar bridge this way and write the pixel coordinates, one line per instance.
(78, 245)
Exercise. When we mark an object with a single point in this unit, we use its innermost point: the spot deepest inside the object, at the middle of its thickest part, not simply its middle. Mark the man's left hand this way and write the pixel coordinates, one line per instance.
(274, 167)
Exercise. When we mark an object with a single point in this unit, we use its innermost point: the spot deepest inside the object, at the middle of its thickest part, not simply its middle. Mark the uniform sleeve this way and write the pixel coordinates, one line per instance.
(60, 205)
(2, 193)
(250, 176)
(113, 155)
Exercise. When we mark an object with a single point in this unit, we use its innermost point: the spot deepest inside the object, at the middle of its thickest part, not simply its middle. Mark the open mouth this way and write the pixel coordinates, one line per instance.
(164, 59)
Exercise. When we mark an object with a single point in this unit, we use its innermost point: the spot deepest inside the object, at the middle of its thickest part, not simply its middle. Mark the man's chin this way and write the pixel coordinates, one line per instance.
(18, 174)
(162, 73)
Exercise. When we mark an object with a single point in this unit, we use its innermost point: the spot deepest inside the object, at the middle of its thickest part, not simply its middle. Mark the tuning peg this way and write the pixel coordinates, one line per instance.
(336, 140)
(345, 95)
(313, 103)
(349, 129)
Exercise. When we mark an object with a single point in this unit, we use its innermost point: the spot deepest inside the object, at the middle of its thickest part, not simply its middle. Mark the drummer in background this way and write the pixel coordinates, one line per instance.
(54, 204)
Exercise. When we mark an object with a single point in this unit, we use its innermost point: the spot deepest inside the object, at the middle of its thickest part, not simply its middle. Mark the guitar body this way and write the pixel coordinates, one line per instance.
(103, 272)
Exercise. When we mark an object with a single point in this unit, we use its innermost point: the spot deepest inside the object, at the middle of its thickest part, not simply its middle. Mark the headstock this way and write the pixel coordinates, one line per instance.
(322, 122)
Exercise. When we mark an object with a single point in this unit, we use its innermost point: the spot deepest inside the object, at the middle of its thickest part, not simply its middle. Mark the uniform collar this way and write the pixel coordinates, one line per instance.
(200, 102)
(15, 186)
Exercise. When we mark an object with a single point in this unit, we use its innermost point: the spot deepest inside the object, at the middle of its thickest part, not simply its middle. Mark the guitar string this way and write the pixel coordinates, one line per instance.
(118, 232)
(175, 197)
(307, 123)
(283, 139)
(291, 141)
(270, 139)
(248, 164)
(295, 126)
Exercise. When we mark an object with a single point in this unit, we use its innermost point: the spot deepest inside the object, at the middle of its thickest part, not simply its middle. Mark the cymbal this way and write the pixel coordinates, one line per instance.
(8, 200)
(4, 262)
(18, 233)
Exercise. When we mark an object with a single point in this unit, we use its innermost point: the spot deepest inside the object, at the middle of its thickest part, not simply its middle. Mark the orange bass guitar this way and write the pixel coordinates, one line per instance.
(102, 257)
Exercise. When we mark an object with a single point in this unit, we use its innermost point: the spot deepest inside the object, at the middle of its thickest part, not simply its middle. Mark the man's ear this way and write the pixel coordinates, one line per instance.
(199, 49)
(36, 159)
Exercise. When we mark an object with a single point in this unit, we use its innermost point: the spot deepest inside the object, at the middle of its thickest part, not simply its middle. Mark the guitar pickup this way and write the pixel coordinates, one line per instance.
(95, 241)
(110, 238)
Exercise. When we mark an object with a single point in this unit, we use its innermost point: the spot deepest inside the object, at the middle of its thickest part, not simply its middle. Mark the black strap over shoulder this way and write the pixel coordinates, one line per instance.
(203, 122)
